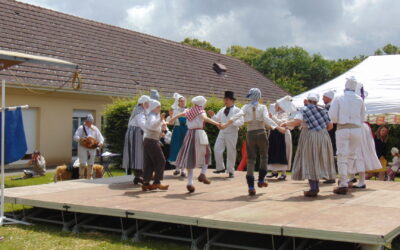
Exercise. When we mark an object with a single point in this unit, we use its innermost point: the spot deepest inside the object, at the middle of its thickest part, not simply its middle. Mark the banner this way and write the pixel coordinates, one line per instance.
(15, 141)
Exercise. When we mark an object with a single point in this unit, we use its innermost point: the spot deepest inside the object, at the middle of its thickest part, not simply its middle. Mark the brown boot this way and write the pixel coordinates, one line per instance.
(341, 190)
(310, 193)
(148, 187)
(252, 192)
(262, 184)
(190, 188)
(203, 178)
(160, 186)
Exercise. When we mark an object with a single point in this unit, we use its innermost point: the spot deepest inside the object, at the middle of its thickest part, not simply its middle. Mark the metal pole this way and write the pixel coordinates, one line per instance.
(3, 106)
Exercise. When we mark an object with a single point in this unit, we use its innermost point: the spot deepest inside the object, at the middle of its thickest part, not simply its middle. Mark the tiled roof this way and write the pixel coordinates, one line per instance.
(117, 61)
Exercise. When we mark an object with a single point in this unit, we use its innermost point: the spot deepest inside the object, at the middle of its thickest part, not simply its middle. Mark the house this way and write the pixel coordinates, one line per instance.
(114, 62)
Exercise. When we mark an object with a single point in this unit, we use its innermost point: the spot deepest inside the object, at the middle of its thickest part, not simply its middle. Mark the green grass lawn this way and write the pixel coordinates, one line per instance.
(45, 236)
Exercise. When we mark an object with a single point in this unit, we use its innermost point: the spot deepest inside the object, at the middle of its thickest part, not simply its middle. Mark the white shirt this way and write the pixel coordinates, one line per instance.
(395, 164)
(197, 122)
(222, 118)
(93, 131)
(348, 109)
(139, 121)
(152, 126)
(261, 114)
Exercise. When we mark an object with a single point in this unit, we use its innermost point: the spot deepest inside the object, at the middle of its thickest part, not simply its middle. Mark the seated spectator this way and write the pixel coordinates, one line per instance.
(381, 147)
(394, 165)
(38, 164)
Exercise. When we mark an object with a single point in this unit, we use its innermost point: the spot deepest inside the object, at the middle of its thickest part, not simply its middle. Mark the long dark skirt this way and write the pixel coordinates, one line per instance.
(277, 148)
(133, 149)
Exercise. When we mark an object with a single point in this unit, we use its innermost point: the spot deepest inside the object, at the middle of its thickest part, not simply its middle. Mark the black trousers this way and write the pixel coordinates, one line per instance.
(154, 160)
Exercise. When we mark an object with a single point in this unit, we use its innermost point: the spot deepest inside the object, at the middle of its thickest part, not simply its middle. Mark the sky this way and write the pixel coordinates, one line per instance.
(333, 28)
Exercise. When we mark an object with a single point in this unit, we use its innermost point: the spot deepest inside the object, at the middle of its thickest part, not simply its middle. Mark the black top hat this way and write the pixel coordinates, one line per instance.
(229, 95)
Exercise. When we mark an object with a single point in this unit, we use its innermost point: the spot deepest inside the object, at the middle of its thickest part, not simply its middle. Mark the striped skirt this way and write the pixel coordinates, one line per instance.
(178, 135)
(133, 149)
(194, 152)
(314, 157)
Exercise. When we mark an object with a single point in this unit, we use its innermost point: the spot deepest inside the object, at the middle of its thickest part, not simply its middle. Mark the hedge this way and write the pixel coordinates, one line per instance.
(116, 116)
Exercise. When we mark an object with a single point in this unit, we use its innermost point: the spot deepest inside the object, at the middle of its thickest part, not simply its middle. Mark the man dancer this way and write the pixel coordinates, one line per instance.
(256, 115)
(328, 98)
(348, 112)
(227, 138)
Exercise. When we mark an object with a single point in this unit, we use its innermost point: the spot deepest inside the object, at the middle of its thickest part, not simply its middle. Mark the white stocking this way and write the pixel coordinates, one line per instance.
(204, 169)
(190, 177)
(361, 181)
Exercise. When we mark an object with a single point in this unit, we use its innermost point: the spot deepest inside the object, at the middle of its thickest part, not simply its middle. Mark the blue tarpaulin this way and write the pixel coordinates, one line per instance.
(15, 141)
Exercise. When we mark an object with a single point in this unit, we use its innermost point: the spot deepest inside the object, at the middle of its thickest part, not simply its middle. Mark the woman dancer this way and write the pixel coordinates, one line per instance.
(133, 147)
(179, 131)
(195, 151)
(280, 145)
(314, 157)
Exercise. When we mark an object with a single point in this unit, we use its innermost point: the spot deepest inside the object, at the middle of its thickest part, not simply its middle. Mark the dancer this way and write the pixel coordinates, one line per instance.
(227, 138)
(133, 146)
(280, 145)
(366, 158)
(314, 156)
(85, 133)
(256, 115)
(179, 131)
(154, 160)
(348, 111)
(195, 151)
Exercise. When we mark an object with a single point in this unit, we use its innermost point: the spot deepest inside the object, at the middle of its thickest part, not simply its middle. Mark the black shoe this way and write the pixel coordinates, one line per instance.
(360, 187)
(282, 178)
(231, 175)
(219, 171)
(177, 172)
(273, 175)
(354, 180)
(329, 181)
(183, 174)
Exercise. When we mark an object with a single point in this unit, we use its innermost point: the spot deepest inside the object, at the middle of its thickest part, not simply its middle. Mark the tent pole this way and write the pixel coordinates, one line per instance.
(3, 106)
(4, 220)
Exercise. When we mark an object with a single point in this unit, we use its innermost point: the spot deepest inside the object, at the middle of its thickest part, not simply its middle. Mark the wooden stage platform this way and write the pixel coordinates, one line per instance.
(368, 216)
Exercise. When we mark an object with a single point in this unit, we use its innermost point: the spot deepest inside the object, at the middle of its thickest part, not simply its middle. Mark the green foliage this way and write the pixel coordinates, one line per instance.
(247, 54)
(201, 44)
(388, 49)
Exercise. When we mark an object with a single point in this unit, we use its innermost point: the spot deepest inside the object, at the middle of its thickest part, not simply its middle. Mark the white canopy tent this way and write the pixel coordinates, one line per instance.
(380, 76)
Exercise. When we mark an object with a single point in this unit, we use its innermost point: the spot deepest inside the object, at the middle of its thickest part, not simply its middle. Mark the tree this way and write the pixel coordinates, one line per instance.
(247, 54)
(388, 49)
(201, 44)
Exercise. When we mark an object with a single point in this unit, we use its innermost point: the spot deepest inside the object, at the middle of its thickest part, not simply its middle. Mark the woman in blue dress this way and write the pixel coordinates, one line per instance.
(179, 131)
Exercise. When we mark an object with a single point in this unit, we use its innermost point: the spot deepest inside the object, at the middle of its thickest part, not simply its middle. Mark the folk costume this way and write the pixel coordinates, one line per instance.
(133, 147)
(256, 116)
(195, 151)
(227, 137)
(154, 160)
(366, 157)
(87, 155)
(314, 157)
(280, 145)
(348, 111)
(178, 133)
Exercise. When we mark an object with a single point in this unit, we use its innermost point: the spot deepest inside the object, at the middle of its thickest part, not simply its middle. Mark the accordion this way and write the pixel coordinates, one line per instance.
(89, 142)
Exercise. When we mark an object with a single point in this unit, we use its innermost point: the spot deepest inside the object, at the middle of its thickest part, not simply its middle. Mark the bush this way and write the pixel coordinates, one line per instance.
(117, 115)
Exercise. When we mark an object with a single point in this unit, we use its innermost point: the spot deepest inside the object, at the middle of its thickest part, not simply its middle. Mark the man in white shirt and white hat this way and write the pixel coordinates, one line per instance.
(227, 138)
(327, 98)
(348, 112)
(89, 138)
